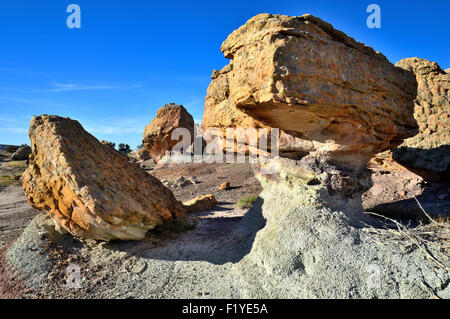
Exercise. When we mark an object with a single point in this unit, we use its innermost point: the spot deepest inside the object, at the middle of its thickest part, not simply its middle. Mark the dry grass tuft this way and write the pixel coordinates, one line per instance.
(432, 239)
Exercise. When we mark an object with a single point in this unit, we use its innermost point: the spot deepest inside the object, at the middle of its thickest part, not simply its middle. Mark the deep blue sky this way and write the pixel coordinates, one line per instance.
(131, 57)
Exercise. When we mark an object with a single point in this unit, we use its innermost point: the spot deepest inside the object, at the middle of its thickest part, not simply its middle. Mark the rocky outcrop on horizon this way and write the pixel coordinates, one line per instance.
(89, 189)
(429, 151)
(157, 138)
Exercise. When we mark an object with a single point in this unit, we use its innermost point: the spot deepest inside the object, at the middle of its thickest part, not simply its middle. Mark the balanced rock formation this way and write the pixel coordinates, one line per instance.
(301, 75)
(90, 190)
(157, 137)
(304, 77)
(22, 153)
(315, 83)
(428, 151)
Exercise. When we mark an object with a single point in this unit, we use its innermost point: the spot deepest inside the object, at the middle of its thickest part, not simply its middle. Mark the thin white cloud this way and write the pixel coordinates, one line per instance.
(117, 126)
(13, 125)
(32, 101)
(14, 130)
(65, 87)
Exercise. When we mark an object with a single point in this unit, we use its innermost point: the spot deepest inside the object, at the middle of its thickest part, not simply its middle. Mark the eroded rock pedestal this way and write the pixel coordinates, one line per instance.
(315, 83)
(317, 244)
(89, 189)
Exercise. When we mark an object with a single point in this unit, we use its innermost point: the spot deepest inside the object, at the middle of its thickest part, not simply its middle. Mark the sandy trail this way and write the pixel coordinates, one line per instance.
(15, 213)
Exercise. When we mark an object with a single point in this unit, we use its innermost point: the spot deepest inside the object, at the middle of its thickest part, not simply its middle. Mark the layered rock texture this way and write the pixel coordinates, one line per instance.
(89, 189)
(314, 245)
(157, 137)
(304, 77)
(221, 114)
(428, 151)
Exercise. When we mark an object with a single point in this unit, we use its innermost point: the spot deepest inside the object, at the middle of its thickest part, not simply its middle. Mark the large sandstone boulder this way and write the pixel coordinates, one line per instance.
(22, 153)
(157, 137)
(304, 77)
(90, 190)
(428, 151)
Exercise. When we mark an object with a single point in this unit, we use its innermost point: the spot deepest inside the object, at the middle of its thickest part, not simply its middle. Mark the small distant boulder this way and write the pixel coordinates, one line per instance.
(140, 154)
(200, 204)
(22, 153)
(224, 186)
(157, 138)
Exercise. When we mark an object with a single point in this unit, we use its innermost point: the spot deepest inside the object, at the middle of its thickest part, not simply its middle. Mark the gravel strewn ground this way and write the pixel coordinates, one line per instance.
(208, 255)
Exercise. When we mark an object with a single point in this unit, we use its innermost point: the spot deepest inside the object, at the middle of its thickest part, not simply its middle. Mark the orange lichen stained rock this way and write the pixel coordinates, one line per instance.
(89, 189)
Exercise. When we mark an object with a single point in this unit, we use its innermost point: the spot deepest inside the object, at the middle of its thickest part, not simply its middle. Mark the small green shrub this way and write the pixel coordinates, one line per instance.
(124, 148)
(6, 180)
(247, 202)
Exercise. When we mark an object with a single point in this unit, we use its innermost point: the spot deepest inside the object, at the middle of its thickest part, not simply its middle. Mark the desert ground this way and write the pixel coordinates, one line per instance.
(205, 236)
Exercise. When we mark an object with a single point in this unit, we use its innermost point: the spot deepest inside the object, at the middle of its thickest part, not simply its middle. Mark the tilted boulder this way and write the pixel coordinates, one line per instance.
(89, 189)
(428, 151)
(22, 153)
(304, 77)
(157, 137)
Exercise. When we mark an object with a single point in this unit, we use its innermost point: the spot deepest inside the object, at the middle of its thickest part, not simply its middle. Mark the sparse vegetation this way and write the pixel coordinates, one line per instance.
(124, 148)
(247, 202)
(431, 238)
(16, 164)
(172, 230)
(7, 180)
